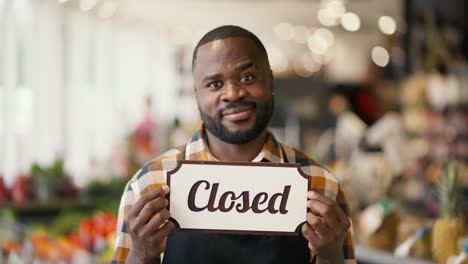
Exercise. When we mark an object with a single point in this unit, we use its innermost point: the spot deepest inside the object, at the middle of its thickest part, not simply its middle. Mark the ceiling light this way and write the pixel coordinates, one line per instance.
(337, 7)
(317, 44)
(387, 25)
(351, 21)
(326, 34)
(326, 17)
(380, 56)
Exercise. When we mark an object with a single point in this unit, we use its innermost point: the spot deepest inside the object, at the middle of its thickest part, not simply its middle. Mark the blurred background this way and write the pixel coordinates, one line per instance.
(92, 89)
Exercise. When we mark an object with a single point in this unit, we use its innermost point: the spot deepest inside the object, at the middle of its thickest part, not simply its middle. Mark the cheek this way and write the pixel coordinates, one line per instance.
(206, 102)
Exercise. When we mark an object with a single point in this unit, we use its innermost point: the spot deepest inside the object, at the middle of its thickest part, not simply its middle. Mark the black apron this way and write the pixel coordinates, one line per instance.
(209, 248)
(200, 247)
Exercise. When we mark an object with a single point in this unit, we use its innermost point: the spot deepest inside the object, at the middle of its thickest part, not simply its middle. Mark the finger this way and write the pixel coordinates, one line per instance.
(320, 228)
(157, 222)
(311, 247)
(150, 210)
(163, 232)
(310, 234)
(342, 217)
(326, 213)
(163, 244)
(322, 198)
(151, 195)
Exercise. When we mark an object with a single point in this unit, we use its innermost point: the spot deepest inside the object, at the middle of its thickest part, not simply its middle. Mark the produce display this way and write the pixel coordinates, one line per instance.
(450, 226)
(92, 238)
(69, 226)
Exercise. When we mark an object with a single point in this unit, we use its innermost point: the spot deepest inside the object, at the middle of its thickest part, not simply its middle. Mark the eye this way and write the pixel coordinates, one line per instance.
(247, 78)
(215, 85)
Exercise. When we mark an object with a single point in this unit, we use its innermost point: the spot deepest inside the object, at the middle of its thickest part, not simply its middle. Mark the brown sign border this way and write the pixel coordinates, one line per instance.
(258, 164)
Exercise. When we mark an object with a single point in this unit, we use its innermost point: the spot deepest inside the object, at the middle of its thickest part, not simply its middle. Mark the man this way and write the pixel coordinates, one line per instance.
(233, 85)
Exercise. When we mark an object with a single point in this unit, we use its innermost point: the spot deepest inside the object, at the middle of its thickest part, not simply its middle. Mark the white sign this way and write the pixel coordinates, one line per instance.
(235, 197)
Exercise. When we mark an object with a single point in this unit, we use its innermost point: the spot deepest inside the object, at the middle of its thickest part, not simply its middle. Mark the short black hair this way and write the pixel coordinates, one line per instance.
(229, 31)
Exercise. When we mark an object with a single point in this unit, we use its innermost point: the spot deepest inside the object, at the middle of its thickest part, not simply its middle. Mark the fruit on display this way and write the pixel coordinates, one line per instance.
(91, 233)
(91, 236)
(22, 189)
(449, 227)
(378, 225)
(47, 248)
(8, 246)
(3, 190)
(66, 188)
(105, 223)
(106, 255)
(385, 237)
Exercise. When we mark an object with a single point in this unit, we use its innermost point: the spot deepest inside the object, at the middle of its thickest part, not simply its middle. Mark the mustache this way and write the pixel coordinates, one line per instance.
(235, 105)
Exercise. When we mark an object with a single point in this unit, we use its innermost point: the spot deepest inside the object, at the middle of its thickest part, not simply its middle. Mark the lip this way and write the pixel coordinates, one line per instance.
(236, 110)
(238, 113)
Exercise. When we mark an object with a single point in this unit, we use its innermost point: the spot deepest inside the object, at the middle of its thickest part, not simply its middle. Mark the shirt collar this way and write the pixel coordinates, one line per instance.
(197, 149)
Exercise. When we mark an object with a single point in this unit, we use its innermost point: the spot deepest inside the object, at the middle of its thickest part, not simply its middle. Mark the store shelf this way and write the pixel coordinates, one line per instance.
(44, 212)
(371, 256)
(32, 207)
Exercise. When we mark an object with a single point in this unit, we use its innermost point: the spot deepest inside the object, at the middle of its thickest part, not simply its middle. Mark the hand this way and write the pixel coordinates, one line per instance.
(148, 225)
(325, 228)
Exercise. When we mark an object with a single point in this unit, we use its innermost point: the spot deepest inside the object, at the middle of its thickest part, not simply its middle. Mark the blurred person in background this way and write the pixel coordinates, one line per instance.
(443, 89)
(142, 143)
(459, 68)
(145, 139)
(362, 156)
(233, 85)
(388, 132)
(349, 127)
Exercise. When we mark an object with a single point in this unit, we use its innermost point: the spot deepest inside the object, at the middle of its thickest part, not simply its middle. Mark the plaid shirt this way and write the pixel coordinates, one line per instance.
(153, 175)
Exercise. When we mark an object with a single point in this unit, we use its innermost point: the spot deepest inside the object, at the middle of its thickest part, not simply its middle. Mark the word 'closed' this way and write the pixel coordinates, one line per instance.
(261, 202)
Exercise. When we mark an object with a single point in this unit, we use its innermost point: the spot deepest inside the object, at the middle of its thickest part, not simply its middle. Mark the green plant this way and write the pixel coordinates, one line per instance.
(54, 172)
(46, 179)
(450, 226)
(449, 191)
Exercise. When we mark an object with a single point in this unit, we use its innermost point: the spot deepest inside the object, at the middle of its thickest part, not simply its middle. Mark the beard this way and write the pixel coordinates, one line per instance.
(263, 113)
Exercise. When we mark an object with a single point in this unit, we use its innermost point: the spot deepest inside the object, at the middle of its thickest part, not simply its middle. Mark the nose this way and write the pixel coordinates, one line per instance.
(233, 92)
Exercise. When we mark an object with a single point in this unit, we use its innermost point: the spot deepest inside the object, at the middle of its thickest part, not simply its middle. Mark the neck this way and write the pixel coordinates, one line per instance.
(233, 152)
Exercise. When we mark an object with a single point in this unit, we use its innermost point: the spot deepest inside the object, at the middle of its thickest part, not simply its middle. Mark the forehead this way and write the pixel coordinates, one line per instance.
(226, 52)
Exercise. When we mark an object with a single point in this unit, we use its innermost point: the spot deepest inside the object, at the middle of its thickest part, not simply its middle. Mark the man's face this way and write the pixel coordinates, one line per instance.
(234, 89)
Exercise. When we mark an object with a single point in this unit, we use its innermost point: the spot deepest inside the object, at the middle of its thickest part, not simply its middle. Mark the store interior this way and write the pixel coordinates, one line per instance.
(375, 90)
